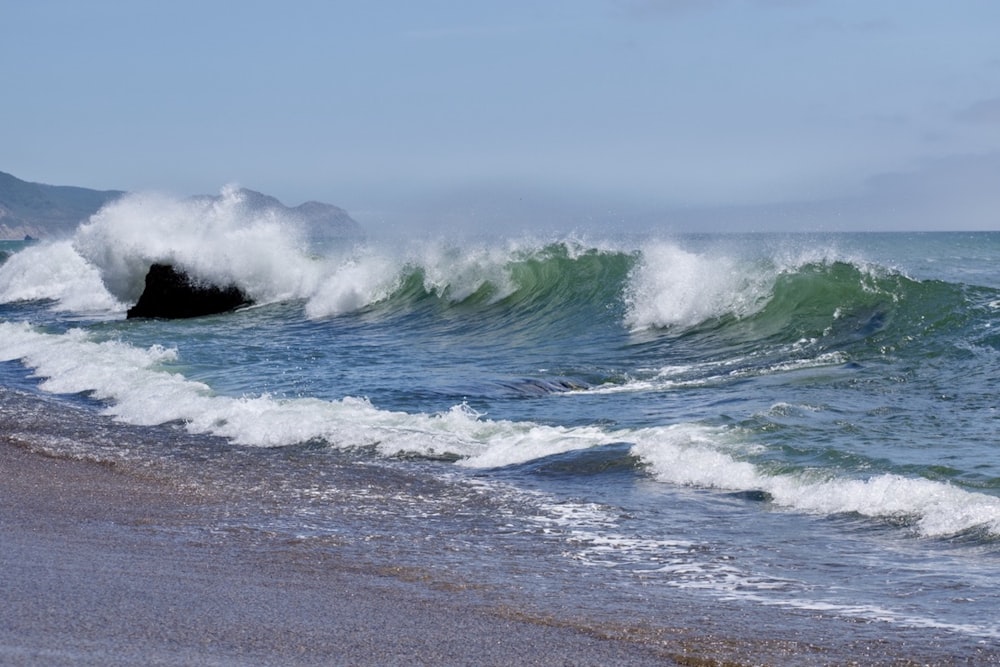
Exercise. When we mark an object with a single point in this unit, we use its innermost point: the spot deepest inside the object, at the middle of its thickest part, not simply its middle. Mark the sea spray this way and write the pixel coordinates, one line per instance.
(53, 271)
(671, 287)
(221, 241)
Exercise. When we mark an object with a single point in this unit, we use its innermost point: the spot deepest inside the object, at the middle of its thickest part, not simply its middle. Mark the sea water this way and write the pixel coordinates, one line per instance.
(798, 422)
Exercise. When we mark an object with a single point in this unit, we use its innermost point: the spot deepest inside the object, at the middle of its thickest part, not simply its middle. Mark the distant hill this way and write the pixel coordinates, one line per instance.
(322, 222)
(38, 210)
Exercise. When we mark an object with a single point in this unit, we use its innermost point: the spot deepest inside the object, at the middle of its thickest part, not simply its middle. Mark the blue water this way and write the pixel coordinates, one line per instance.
(804, 423)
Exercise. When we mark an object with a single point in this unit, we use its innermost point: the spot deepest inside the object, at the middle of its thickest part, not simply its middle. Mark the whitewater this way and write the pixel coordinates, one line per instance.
(805, 423)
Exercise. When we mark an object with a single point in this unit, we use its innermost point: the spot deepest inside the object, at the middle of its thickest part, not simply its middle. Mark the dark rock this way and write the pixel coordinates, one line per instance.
(173, 294)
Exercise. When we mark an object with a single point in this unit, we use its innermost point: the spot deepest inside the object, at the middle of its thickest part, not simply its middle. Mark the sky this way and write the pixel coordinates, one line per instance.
(691, 114)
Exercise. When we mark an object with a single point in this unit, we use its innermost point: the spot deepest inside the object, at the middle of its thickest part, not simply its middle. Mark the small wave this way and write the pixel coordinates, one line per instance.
(935, 509)
(139, 388)
(542, 386)
(832, 299)
(716, 372)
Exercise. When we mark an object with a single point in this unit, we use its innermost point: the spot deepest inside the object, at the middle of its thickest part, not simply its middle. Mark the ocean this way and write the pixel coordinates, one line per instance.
(789, 430)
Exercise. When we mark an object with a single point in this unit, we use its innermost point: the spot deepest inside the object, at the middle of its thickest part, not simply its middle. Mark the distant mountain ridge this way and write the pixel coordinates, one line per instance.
(321, 221)
(39, 210)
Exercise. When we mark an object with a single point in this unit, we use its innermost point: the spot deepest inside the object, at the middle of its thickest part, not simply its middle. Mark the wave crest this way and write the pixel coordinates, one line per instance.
(933, 508)
(674, 288)
(55, 272)
(220, 240)
(529, 280)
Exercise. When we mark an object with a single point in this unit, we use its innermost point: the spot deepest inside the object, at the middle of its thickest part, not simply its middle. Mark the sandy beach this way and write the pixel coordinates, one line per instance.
(92, 575)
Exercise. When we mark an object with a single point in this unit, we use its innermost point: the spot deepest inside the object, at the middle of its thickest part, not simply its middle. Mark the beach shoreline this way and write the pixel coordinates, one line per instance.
(94, 575)
(114, 560)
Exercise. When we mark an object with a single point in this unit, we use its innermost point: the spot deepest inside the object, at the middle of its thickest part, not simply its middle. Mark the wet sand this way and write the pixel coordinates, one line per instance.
(111, 564)
(97, 570)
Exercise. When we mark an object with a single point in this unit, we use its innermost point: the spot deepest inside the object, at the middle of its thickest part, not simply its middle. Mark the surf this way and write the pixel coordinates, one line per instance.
(140, 386)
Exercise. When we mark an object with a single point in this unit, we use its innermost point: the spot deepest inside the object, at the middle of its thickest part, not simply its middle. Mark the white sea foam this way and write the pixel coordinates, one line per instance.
(226, 240)
(374, 274)
(55, 271)
(871, 612)
(140, 388)
(673, 287)
(448, 272)
(935, 508)
(457, 274)
(219, 240)
(353, 284)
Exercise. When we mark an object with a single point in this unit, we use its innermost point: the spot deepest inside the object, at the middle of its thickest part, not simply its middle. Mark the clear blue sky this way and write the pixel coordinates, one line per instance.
(396, 106)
